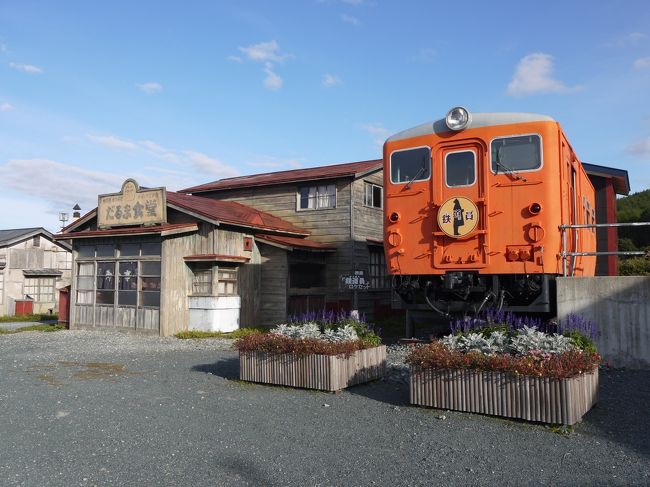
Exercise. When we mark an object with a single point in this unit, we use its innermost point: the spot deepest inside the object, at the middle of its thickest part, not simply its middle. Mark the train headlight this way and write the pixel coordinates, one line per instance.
(535, 208)
(457, 118)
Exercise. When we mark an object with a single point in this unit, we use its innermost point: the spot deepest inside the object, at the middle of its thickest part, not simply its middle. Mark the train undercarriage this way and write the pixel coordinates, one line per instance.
(469, 293)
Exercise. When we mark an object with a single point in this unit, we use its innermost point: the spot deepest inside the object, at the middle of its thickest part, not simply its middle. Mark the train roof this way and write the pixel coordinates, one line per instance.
(477, 120)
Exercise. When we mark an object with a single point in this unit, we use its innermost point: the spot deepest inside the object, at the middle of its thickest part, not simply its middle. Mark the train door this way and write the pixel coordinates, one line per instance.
(458, 193)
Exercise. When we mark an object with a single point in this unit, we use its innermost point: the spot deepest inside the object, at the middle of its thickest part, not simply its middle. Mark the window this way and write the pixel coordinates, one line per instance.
(410, 165)
(377, 268)
(520, 153)
(202, 279)
(85, 278)
(105, 283)
(150, 283)
(40, 289)
(128, 280)
(227, 281)
(304, 275)
(127, 285)
(460, 168)
(36, 241)
(317, 197)
(373, 195)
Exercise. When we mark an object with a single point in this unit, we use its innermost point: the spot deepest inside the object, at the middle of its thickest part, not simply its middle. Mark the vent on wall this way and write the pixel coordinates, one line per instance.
(248, 244)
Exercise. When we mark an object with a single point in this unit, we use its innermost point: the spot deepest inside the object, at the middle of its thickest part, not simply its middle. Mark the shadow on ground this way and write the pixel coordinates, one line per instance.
(227, 368)
(622, 414)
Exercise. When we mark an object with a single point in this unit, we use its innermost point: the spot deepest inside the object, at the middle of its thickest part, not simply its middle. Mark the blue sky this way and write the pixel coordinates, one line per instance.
(180, 93)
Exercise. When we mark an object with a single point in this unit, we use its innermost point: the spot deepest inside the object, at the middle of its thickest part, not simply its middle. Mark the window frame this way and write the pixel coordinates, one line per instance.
(372, 186)
(460, 151)
(541, 153)
(380, 280)
(390, 168)
(29, 284)
(117, 258)
(299, 197)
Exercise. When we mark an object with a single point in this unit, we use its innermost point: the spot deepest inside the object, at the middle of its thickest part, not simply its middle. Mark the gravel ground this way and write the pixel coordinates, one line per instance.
(86, 408)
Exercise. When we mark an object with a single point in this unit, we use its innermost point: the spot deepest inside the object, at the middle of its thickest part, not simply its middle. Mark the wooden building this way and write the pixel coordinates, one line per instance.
(157, 262)
(33, 266)
(341, 206)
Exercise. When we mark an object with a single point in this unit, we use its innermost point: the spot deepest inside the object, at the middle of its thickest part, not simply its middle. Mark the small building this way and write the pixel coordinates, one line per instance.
(33, 266)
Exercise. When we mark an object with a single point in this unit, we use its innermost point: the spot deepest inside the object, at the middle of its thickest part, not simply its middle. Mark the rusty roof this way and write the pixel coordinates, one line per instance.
(233, 213)
(349, 169)
(299, 243)
(164, 229)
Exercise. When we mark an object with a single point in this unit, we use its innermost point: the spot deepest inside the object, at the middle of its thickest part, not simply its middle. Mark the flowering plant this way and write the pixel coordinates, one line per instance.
(436, 355)
(343, 334)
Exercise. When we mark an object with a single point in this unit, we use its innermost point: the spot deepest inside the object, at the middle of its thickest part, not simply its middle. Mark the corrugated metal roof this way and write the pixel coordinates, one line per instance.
(619, 177)
(42, 272)
(115, 232)
(233, 213)
(11, 235)
(349, 169)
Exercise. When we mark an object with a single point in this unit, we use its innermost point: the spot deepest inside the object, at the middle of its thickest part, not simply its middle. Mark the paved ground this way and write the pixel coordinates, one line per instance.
(82, 408)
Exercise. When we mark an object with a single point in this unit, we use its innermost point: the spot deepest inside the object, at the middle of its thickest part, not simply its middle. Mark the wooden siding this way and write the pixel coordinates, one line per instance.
(322, 372)
(273, 286)
(346, 227)
(558, 401)
(177, 275)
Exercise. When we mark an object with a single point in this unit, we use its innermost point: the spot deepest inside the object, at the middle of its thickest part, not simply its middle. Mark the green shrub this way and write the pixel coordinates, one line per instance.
(638, 266)
(581, 342)
(32, 317)
(44, 327)
(239, 333)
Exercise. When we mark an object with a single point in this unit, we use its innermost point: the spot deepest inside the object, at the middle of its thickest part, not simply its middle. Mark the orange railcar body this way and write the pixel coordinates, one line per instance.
(511, 219)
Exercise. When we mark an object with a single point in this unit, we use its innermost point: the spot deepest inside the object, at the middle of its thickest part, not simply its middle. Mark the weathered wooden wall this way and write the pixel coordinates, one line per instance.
(273, 285)
(347, 227)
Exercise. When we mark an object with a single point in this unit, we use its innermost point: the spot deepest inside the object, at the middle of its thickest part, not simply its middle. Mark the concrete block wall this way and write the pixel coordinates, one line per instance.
(620, 306)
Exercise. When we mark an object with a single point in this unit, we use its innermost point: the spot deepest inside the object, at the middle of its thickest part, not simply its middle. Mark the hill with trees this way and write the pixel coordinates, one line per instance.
(634, 208)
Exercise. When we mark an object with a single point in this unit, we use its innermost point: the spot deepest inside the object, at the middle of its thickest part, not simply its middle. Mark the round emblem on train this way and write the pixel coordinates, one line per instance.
(458, 216)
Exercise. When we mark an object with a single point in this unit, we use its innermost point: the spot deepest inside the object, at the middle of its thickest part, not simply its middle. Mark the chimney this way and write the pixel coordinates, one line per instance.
(76, 212)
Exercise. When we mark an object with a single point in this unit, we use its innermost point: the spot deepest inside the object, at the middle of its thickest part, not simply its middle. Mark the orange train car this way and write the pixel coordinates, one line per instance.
(473, 205)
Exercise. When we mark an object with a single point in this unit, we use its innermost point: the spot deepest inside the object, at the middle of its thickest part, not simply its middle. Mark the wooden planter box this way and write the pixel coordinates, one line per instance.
(557, 401)
(323, 372)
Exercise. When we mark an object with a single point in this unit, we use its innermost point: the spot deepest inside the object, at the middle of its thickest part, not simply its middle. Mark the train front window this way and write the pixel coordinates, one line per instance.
(460, 168)
(410, 165)
(520, 153)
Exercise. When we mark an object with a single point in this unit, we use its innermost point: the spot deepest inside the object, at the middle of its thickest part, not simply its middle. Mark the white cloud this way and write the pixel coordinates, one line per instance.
(627, 40)
(112, 141)
(378, 132)
(534, 75)
(6, 107)
(272, 80)
(202, 164)
(349, 19)
(642, 63)
(267, 53)
(264, 52)
(150, 88)
(208, 165)
(641, 148)
(26, 68)
(60, 184)
(329, 80)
